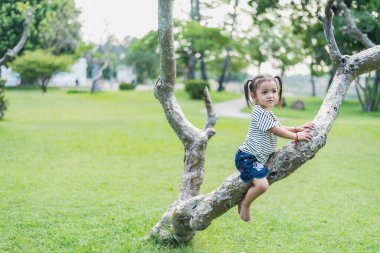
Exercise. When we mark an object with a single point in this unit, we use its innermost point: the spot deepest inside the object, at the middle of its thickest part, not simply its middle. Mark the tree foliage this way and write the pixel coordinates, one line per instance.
(39, 66)
(55, 25)
(199, 40)
(143, 55)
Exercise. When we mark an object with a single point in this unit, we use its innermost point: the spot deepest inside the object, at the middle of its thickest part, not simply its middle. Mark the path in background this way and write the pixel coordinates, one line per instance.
(231, 108)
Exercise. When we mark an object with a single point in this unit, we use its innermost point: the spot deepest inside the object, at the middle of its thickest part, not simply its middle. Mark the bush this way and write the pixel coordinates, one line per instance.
(127, 86)
(3, 100)
(195, 88)
(39, 66)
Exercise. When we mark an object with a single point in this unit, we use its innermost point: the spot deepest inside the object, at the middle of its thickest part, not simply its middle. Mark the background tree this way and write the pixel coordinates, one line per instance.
(192, 212)
(369, 93)
(143, 55)
(60, 28)
(39, 66)
(54, 25)
(232, 17)
(302, 17)
(9, 55)
(204, 42)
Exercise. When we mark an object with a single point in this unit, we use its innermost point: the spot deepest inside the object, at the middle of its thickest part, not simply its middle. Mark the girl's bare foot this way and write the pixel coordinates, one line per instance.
(244, 213)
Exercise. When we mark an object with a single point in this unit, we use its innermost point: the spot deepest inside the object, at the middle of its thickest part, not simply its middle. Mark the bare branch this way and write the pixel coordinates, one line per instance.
(358, 84)
(211, 116)
(353, 29)
(334, 52)
(11, 53)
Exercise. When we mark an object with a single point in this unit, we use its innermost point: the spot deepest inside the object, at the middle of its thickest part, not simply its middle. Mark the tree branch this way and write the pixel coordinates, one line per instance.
(11, 53)
(363, 62)
(353, 29)
(211, 116)
(164, 89)
(334, 52)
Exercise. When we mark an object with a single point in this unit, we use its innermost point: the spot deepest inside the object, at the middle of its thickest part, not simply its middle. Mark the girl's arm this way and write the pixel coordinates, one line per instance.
(307, 125)
(283, 132)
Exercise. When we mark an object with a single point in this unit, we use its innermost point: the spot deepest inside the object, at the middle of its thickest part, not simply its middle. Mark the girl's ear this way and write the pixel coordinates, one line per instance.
(253, 97)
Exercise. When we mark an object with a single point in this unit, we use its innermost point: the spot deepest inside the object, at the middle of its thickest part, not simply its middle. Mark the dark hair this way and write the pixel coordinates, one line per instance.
(250, 86)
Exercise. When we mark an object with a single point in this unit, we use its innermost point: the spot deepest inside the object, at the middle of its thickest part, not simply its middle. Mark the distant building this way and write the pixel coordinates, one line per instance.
(76, 76)
(11, 78)
(126, 74)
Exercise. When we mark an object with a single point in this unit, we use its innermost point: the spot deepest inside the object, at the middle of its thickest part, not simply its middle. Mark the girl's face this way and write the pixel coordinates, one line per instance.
(266, 94)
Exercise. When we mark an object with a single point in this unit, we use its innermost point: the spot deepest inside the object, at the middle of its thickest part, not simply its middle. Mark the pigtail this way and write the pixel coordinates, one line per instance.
(280, 89)
(246, 92)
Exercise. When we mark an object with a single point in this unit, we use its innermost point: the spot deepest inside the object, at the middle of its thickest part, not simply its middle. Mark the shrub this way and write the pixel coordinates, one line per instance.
(39, 66)
(3, 101)
(127, 86)
(195, 88)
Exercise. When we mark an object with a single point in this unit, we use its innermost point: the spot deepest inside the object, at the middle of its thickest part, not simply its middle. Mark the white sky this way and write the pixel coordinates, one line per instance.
(101, 18)
(121, 18)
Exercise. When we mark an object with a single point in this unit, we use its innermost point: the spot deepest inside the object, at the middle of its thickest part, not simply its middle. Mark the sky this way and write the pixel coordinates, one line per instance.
(121, 18)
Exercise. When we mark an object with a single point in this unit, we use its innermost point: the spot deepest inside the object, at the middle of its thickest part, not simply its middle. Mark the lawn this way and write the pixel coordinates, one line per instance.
(94, 173)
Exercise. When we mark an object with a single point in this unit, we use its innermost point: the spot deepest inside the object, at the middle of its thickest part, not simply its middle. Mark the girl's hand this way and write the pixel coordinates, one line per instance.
(307, 125)
(305, 135)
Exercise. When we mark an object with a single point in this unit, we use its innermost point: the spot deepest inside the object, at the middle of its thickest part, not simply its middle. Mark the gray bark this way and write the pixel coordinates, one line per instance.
(11, 53)
(192, 212)
(95, 82)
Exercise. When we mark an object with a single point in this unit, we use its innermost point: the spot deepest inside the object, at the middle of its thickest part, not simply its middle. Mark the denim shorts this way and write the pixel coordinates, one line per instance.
(249, 167)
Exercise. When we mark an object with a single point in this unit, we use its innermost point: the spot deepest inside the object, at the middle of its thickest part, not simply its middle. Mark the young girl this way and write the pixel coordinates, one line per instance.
(265, 90)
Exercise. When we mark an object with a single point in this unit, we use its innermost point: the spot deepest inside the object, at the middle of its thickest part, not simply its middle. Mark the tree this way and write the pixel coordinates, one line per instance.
(192, 212)
(143, 54)
(369, 94)
(198, 42)
(227, 59)
(60, 28)
(54, 25)
(9, 56)
(11, 53)
(39, 66)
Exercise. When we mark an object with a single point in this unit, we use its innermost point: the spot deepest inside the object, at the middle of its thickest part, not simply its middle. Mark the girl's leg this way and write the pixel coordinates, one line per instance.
(258, 188)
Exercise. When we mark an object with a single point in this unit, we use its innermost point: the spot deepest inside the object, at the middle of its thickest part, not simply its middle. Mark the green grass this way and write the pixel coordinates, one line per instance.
(94, 173)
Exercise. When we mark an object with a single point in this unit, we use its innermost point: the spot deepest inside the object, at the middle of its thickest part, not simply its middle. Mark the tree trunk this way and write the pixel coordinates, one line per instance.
(191, 63)
(192, 212)
(224, 70)
(97, 75)
(313, 90)
(227, 59)
(203, 68)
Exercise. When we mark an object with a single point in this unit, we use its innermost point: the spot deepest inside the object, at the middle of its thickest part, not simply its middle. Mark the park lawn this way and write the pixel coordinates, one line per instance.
(94, 173)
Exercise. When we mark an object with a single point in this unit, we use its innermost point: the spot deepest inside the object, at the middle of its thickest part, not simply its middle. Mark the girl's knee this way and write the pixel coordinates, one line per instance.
(262, 185)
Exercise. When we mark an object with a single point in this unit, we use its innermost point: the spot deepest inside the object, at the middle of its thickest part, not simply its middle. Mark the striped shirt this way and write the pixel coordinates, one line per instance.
(259, 141)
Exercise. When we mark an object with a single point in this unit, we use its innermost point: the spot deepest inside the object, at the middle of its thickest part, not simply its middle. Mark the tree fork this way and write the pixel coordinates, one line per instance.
(192, 212)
